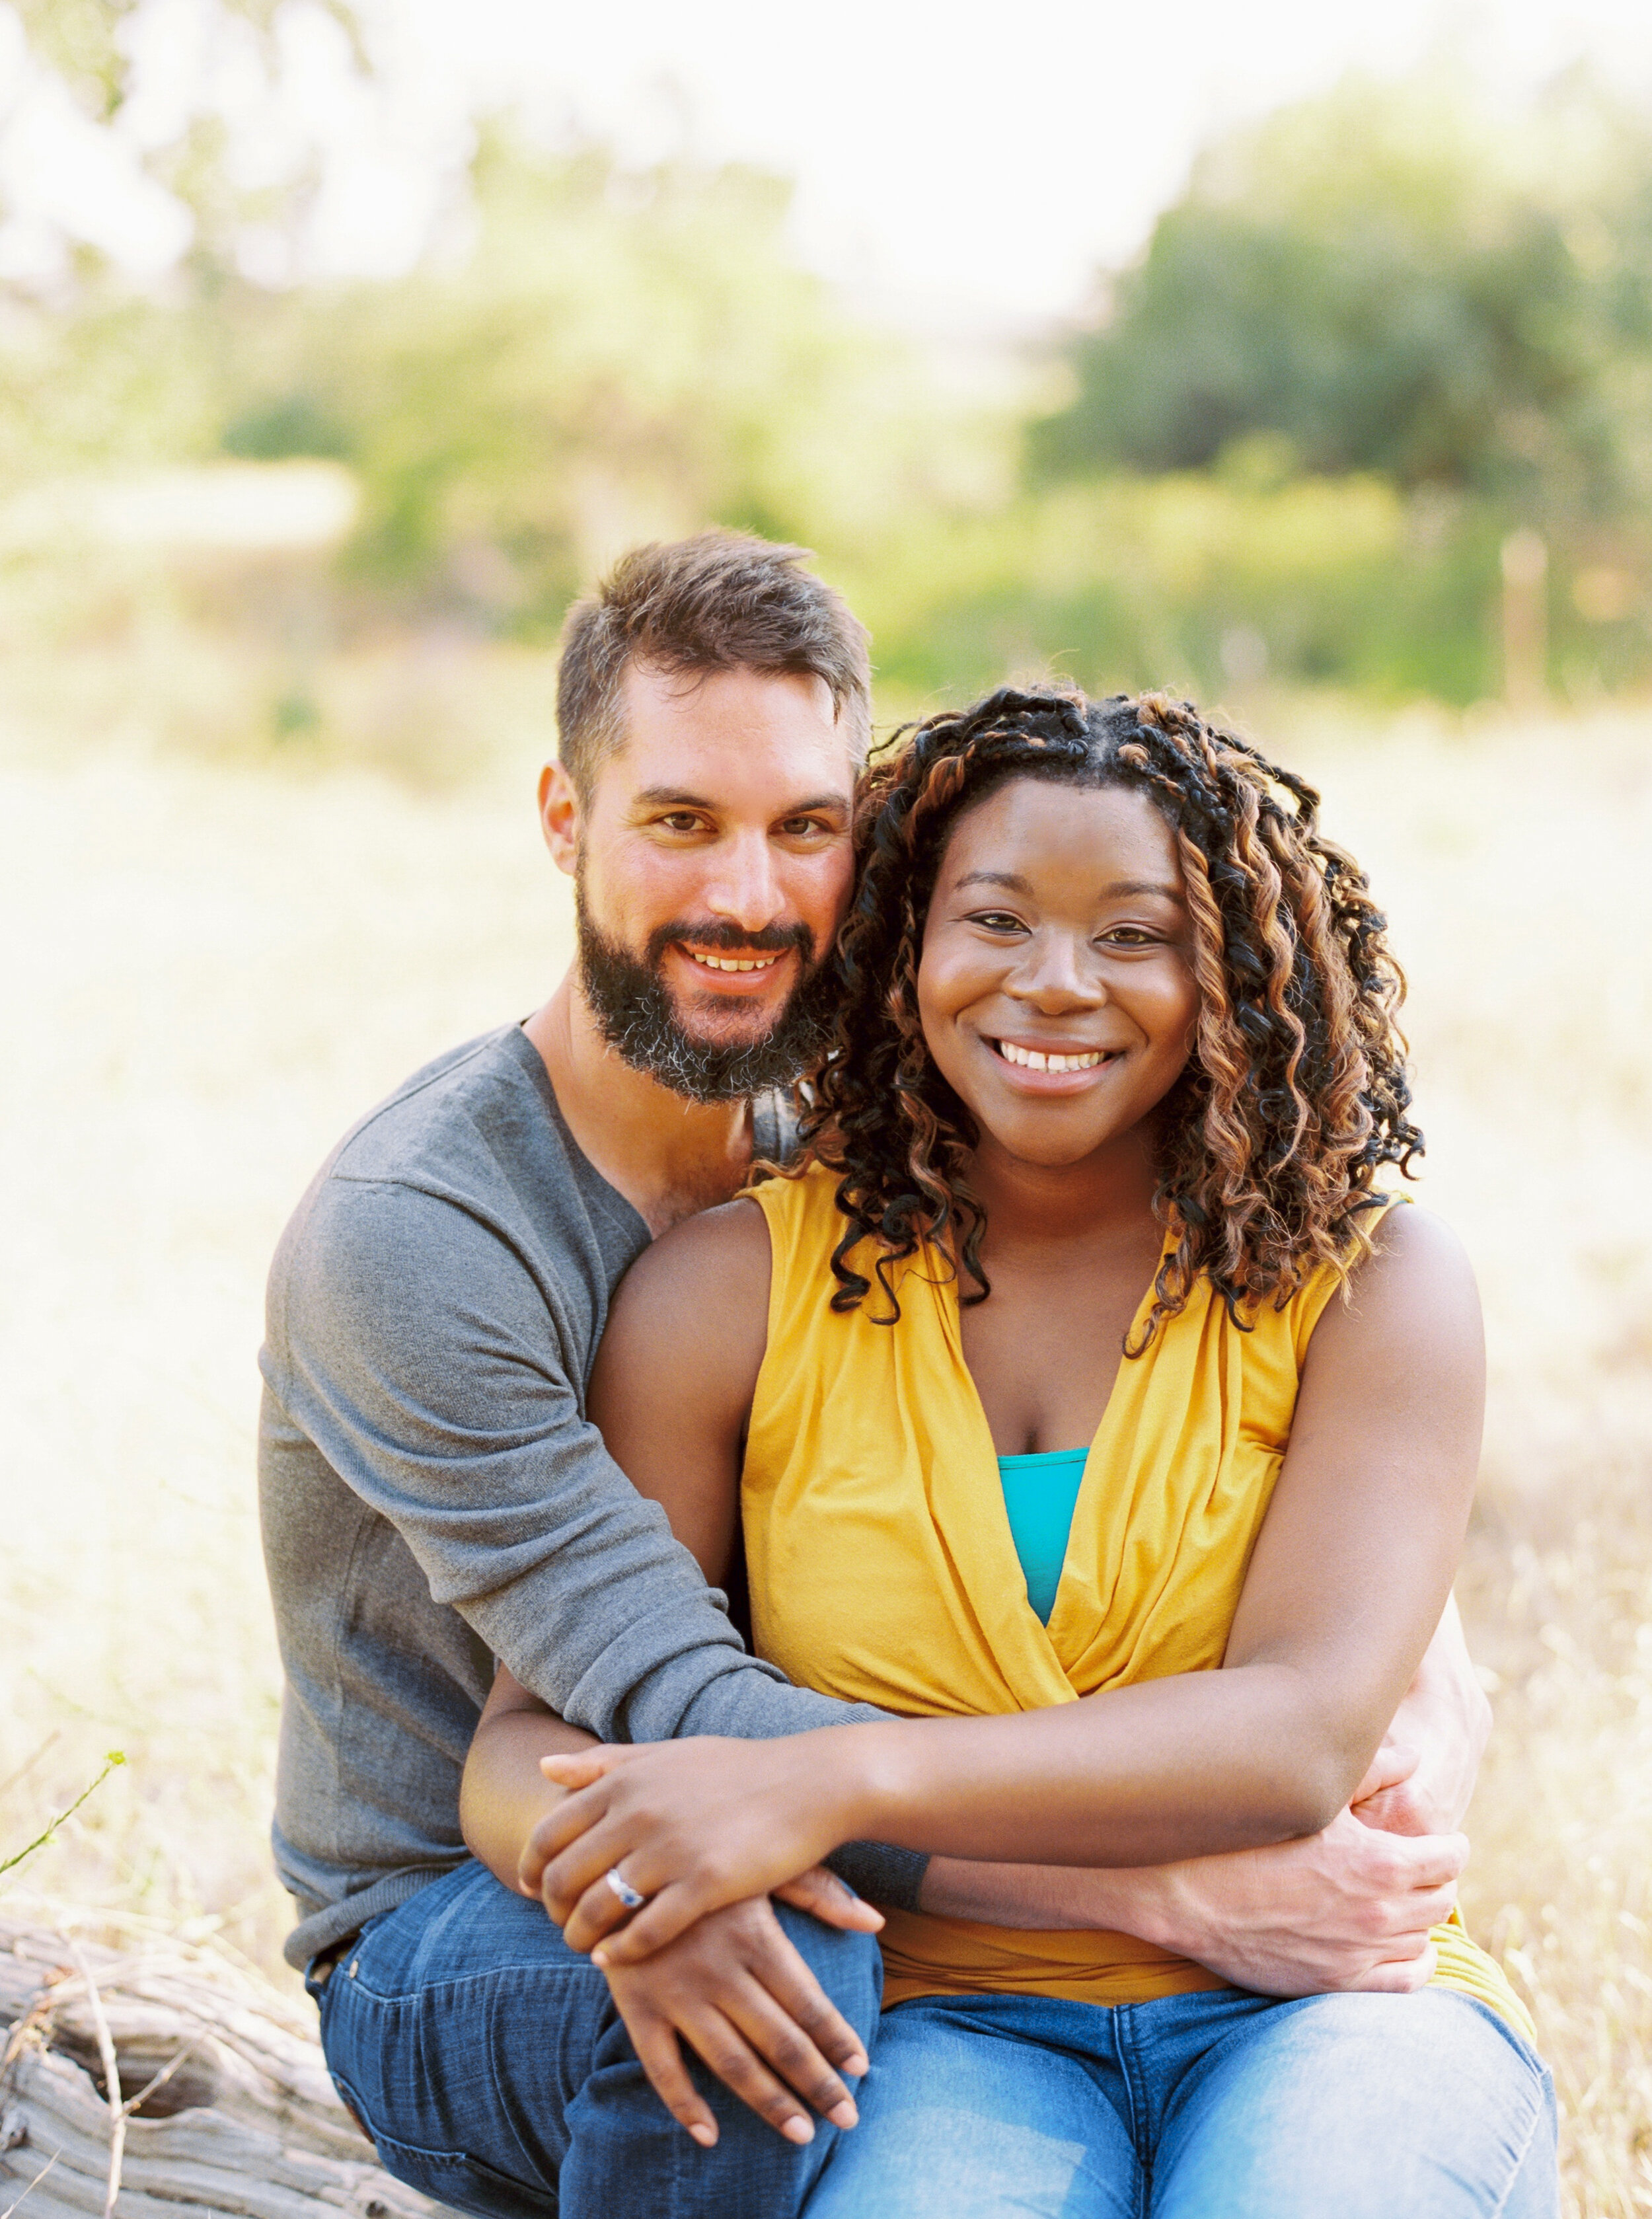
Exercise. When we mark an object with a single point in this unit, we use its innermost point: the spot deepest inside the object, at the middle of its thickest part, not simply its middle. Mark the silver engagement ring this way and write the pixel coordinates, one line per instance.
(623, 1888)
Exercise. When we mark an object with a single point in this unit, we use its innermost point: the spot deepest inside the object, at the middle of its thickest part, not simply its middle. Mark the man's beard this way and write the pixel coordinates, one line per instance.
(635, 1014)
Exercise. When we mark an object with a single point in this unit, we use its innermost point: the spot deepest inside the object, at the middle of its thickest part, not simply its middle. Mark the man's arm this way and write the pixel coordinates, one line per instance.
(412, 1342)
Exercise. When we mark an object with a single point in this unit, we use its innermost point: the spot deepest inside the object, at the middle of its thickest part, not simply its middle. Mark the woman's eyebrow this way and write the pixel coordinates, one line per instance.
(1119, 890)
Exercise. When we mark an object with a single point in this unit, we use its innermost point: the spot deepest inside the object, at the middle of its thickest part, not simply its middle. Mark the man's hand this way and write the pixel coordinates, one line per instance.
(736, 1988)
(1422, 1777)
(1349, 1908)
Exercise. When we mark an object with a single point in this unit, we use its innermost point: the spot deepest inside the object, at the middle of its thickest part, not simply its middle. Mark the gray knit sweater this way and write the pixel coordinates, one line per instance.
(434, 1496)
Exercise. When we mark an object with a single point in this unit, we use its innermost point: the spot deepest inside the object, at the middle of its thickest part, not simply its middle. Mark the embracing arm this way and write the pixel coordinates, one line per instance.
(1346, 1585)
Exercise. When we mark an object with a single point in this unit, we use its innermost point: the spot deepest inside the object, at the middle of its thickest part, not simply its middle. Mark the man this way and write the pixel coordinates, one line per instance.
(434, 1497)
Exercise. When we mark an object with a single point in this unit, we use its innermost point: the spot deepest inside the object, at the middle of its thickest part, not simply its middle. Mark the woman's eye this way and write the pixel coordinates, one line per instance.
(1128, 936)
(997, 920)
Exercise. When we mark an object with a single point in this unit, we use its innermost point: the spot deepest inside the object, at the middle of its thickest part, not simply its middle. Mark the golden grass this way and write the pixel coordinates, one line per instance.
(215, 966)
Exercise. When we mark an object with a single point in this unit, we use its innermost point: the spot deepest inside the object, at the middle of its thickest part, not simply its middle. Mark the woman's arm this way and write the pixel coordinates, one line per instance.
(1348, 1581)
(503, 1794)
(676, 1370)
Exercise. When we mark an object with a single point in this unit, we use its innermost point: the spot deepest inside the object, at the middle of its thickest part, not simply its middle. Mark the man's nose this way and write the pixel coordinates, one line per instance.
(745, 887)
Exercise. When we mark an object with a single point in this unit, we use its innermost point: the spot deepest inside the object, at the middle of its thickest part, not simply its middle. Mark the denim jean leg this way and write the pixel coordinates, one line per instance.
(1360, 2105)
(487, 2061)
(628, 2157)
(982, 2107)
(457, 2027)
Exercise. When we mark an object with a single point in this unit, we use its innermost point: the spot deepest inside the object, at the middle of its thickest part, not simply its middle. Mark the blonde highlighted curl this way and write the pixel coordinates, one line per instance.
(1296, 1095)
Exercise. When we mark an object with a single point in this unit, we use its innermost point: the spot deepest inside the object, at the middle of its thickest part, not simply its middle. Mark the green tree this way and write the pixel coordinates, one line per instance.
(1388, 281)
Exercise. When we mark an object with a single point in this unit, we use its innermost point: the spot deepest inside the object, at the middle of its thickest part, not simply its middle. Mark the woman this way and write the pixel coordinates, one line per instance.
(1035, 1398)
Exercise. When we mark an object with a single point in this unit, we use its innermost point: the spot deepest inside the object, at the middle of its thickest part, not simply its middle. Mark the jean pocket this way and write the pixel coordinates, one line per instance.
(452, 2177)
(464, 2182)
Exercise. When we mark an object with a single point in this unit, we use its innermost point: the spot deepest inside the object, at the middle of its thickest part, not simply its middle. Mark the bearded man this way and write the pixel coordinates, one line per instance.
(435, 1499)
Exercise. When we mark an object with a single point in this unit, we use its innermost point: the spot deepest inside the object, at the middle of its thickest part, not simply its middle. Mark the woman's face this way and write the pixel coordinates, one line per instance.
(1055, 987)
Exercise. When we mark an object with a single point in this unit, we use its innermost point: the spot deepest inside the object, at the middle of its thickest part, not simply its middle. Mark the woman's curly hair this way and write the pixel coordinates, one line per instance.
(1295, 1092)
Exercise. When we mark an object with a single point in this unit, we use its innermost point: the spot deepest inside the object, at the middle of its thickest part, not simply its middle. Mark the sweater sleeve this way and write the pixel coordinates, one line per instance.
(410, 1341)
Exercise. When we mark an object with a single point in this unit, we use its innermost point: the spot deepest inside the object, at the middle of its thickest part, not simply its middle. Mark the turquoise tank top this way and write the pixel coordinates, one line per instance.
(1040, 1493)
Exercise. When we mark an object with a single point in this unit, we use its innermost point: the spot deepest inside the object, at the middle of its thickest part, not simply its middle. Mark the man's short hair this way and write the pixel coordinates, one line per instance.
(722, 600)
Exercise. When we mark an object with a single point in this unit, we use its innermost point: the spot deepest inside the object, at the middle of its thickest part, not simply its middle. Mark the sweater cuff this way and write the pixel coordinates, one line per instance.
(891, 1878)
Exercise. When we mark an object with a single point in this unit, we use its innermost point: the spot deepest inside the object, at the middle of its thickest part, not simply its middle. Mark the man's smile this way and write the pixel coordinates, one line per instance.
(733, 962)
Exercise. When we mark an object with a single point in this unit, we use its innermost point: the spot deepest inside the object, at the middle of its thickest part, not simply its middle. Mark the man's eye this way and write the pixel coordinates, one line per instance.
(803, 828)
(681, 820)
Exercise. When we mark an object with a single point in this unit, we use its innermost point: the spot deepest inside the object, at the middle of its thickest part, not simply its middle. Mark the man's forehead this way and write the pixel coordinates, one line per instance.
(737, 738)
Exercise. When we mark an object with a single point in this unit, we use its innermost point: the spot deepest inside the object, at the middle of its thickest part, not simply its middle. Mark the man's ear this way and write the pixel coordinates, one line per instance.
(559, 816)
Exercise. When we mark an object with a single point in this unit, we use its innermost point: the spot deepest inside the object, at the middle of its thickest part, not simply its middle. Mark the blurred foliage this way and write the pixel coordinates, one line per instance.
(618, 354)
(1378, 333)
(1389, 283)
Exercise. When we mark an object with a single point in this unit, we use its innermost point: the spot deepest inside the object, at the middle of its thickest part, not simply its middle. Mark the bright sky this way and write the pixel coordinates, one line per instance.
(972, 161)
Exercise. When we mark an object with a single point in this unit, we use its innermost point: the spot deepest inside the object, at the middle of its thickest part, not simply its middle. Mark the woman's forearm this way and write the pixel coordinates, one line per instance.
(503, 1794)
(1165, 1769)
(1150, 1774)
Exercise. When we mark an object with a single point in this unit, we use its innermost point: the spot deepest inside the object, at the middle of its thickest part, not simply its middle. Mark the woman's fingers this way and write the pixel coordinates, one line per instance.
(833, 1901)
(734, 2062)
(654, 2040)
(670, 1913)
(778, 2040)
(594, 1917)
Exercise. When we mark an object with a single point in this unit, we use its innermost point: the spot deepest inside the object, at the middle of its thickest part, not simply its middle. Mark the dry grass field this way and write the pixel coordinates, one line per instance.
(212, 967)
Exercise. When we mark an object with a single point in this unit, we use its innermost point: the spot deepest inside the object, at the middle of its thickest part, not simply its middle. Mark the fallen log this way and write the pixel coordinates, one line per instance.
(142, 2077)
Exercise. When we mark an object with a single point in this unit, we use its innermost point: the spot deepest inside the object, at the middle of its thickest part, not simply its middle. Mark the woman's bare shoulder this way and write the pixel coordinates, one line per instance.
(1413, 1291)
(690, 1315)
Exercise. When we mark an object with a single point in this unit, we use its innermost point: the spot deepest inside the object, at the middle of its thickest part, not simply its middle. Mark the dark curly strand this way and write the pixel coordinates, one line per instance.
(1296, 1092)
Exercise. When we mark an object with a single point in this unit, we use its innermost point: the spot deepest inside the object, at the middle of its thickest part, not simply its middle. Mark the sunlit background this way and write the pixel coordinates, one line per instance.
(1299, 358)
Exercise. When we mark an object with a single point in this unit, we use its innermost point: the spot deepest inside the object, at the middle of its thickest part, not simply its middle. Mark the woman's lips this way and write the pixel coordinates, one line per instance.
(1047, 1069)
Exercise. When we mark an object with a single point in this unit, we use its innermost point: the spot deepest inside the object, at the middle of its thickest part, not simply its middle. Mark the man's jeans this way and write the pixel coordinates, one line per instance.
(1216, 2107)
(489, 2063)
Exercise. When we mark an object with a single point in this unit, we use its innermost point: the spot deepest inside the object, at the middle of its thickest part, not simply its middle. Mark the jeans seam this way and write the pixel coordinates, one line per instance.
(1122, 2029)
(1514, 2170)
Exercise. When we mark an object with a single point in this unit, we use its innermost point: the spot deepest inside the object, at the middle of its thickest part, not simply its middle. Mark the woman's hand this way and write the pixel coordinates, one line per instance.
(737, 1990)
(691, 1825)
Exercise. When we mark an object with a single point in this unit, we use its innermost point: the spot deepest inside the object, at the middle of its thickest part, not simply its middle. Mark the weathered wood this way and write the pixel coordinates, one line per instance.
(228, 2106)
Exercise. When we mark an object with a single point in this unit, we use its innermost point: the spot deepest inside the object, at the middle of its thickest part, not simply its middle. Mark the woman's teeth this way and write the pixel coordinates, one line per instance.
(1032, 1058)
(732, 962)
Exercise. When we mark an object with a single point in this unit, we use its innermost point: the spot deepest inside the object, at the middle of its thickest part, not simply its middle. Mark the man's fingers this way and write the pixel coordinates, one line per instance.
(1394, 1762)
(576, 1769)
(1399, 1976)
(655, 2043)
(1430, 1860)
(827, 1898)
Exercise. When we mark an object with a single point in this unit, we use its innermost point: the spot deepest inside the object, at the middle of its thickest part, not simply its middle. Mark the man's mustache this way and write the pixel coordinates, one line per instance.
(723, 938)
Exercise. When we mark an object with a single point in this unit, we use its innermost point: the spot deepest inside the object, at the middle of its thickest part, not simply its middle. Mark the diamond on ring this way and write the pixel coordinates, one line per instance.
(623, 1888)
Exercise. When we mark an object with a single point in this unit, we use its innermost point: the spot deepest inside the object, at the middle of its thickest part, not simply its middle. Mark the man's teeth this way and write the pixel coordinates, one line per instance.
(1033, 1059)
(732, 962)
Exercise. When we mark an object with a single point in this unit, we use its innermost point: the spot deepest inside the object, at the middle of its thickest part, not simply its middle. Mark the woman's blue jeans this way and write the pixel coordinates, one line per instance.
(1213, 2106)
(487, 2062)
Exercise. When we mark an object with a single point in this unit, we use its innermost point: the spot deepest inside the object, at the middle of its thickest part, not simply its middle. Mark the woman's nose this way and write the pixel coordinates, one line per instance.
(1056, 975)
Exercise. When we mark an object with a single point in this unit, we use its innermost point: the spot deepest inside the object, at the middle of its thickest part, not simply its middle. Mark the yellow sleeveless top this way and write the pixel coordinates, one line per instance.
(882, 1567)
